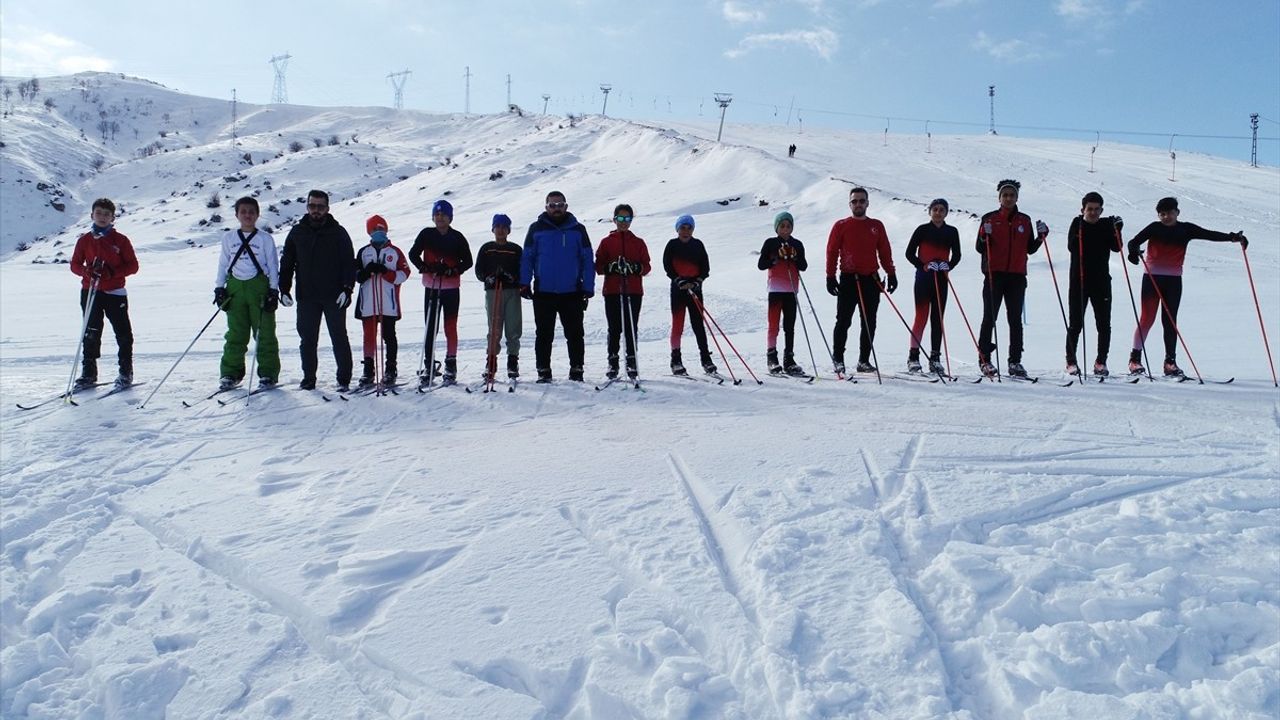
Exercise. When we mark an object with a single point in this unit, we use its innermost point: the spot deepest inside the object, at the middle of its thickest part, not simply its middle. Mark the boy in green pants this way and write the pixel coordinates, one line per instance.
(247, 288)
(498, 265)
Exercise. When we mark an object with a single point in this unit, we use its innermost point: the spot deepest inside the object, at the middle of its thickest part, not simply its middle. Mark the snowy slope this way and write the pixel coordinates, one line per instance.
(833, 550)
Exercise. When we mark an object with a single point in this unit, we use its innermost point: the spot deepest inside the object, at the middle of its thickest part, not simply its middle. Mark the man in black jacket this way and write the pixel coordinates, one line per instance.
(319, 250)
(1091, 240)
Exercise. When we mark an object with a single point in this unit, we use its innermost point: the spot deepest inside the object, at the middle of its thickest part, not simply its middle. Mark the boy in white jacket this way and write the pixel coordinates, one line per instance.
(380, 269)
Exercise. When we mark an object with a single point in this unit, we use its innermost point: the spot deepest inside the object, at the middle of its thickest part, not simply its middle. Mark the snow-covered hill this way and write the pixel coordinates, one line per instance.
(834, 550)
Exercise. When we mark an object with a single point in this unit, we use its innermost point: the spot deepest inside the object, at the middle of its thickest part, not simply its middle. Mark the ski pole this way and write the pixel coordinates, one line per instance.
(1172, 320)
(84, 328)
(1245, 252)
(629, 334)
(816, 321)
(795, 274)
(862, 315)
(994, 358)
(184, 354)
(491, 363)
(729, 342)
(1084, 334)
(937, 299)
(253, 362)
(379, 360)
(1133, 304)
(703, 311)
(956, 296)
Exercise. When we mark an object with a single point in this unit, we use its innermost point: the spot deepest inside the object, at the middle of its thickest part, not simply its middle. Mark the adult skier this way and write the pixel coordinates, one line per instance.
(1091, 240)
(858, 246)
(558, 273)
(934, 250)
(1005, 240)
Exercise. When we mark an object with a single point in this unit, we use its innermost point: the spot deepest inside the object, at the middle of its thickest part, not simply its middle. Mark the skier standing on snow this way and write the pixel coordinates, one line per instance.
(247, 288)
(623, 259)
(686, 263)
(442, 255)
(934, 250)
(853, 247)
(782, 256)
(1096, 237)
(319, 251)
(1165, 255)
(498, 266)
(1005, 241)
(103, 257)
(558, 274)
(380, 269)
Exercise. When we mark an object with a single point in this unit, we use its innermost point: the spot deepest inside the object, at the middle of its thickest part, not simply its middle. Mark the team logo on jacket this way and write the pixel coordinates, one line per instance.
(1020, 228)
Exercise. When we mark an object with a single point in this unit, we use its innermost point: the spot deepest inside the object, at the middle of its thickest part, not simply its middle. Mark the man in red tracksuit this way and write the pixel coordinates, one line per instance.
(1004, 242)
(103, 257)
(854, 245)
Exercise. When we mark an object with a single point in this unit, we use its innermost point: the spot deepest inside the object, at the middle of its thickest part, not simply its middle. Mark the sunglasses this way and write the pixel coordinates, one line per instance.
(557, 205)
(622, 218)
(316, 206)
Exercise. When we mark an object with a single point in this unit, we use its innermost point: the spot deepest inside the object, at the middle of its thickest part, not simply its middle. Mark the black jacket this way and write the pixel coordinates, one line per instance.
(1099, 239)
(495, 256)
(321, 256)
(930, 243)
(683, 260)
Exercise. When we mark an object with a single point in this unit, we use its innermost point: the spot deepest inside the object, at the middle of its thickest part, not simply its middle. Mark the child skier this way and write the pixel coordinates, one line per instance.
(247, 288)
(498, 266)
(686, 263)
(1163, 278)
(782, 256)
(442, 255)
(103, 257)
(623, 258)
(380, 269)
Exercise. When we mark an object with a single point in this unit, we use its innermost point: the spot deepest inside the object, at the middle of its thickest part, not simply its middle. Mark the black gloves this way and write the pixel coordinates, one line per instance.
(375, 268)
(1135, 253)
(344, 300)
(892, 284)
(833, 285)
(1118, 222)
(220, 296)
(526, 292)
(271, 301)
(1240, 238)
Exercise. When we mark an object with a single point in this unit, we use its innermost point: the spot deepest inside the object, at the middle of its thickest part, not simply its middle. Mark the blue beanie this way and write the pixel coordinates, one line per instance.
(780, 217)
(501, 219)
(685, 220)
(443, 206)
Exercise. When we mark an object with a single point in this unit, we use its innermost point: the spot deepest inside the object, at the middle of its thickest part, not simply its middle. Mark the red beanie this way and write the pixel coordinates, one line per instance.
(375, 222)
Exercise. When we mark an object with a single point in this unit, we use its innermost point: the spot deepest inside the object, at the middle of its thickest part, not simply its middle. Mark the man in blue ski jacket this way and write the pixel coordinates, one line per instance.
(557, 271)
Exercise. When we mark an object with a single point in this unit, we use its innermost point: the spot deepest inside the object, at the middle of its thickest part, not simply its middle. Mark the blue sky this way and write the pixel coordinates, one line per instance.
(1121, 66)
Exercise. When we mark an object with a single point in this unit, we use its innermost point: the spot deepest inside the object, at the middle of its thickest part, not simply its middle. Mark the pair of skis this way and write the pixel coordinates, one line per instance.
(70, 399)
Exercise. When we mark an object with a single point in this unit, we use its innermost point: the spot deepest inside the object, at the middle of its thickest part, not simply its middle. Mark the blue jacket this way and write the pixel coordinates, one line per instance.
(558, 256)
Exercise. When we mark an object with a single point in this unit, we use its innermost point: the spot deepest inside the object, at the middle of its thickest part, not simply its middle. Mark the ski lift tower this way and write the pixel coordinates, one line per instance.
(723, 100)
(605, 88)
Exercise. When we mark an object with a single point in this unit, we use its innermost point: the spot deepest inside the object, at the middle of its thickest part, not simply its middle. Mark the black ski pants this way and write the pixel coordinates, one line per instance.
(116, 310)
(310, 312)
(1009, 289)
(854, 291)
(570, 308)
(1170, 287)
(682, 302)
(1097, 291)
(620, 327)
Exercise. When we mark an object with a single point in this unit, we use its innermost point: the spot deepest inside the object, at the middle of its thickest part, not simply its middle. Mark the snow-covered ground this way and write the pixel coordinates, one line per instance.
(834, 550)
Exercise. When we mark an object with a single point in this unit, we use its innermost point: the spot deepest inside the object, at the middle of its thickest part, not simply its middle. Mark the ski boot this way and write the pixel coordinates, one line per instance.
(771, 358)
(1135, 363)
(450, 375)
(789, 365)
(266, 383)
(544, 375)
(1015, 369)
(366, 374)
(985, 366)
(1171, 369)
(1073, 368)
(612, 372)
(632, 370)
(913, 362)
(88, 375)
(1100, 369)
(838, 367)
(677, 365)
(227, 382)
(865, 367)
(513, 366)
(389, 373)
(125, 378)
(708, 366)
(575, 374)
(936, 367)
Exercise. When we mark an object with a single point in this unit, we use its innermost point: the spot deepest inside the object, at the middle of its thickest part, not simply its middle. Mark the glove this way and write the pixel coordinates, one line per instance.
(1240, 238)
(286, 299)
(491, 282)
(938, 266)
(220, 296)
(892, 284)
(1135, 257)
(271, 301)
(618, 267)
(419, 265)
(833, 285)
(448, 271)
(362, 275)
(1118, 222)
(344, 300)
(506, 277)
(526, 292)
(634, 268)
(689, 284)
(1042, 229)
(786, 252)
(375, 268)
(586, 298)
(100, 270)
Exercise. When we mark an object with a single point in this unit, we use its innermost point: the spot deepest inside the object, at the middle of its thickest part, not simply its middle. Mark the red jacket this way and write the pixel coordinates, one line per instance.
(855, 243)
(622, 244)
(1009, 240)
(116, 253)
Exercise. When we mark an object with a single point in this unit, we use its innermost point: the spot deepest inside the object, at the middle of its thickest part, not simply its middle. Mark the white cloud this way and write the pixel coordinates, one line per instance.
(943, 4)
(30, 51)
(1080, 9)
(736, 12)
(1010, 50)
(823, 41)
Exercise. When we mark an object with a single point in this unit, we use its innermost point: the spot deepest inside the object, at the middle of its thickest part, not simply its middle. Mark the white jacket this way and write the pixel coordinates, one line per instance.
(380, 294)
(264, 249)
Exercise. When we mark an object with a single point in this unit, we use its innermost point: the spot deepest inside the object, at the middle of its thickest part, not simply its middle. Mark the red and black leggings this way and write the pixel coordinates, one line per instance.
(1171, 289)
(931, 303)
(782, 307)
(448, 300)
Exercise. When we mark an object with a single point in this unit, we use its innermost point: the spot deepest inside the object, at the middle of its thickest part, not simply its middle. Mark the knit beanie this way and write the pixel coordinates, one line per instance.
(443, 207)
(684, 220)
(375, 222)
(501, 219)
(781, 217)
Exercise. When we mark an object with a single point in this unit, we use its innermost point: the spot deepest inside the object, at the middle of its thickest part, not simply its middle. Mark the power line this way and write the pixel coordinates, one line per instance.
(398, 79)
(279, 93)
